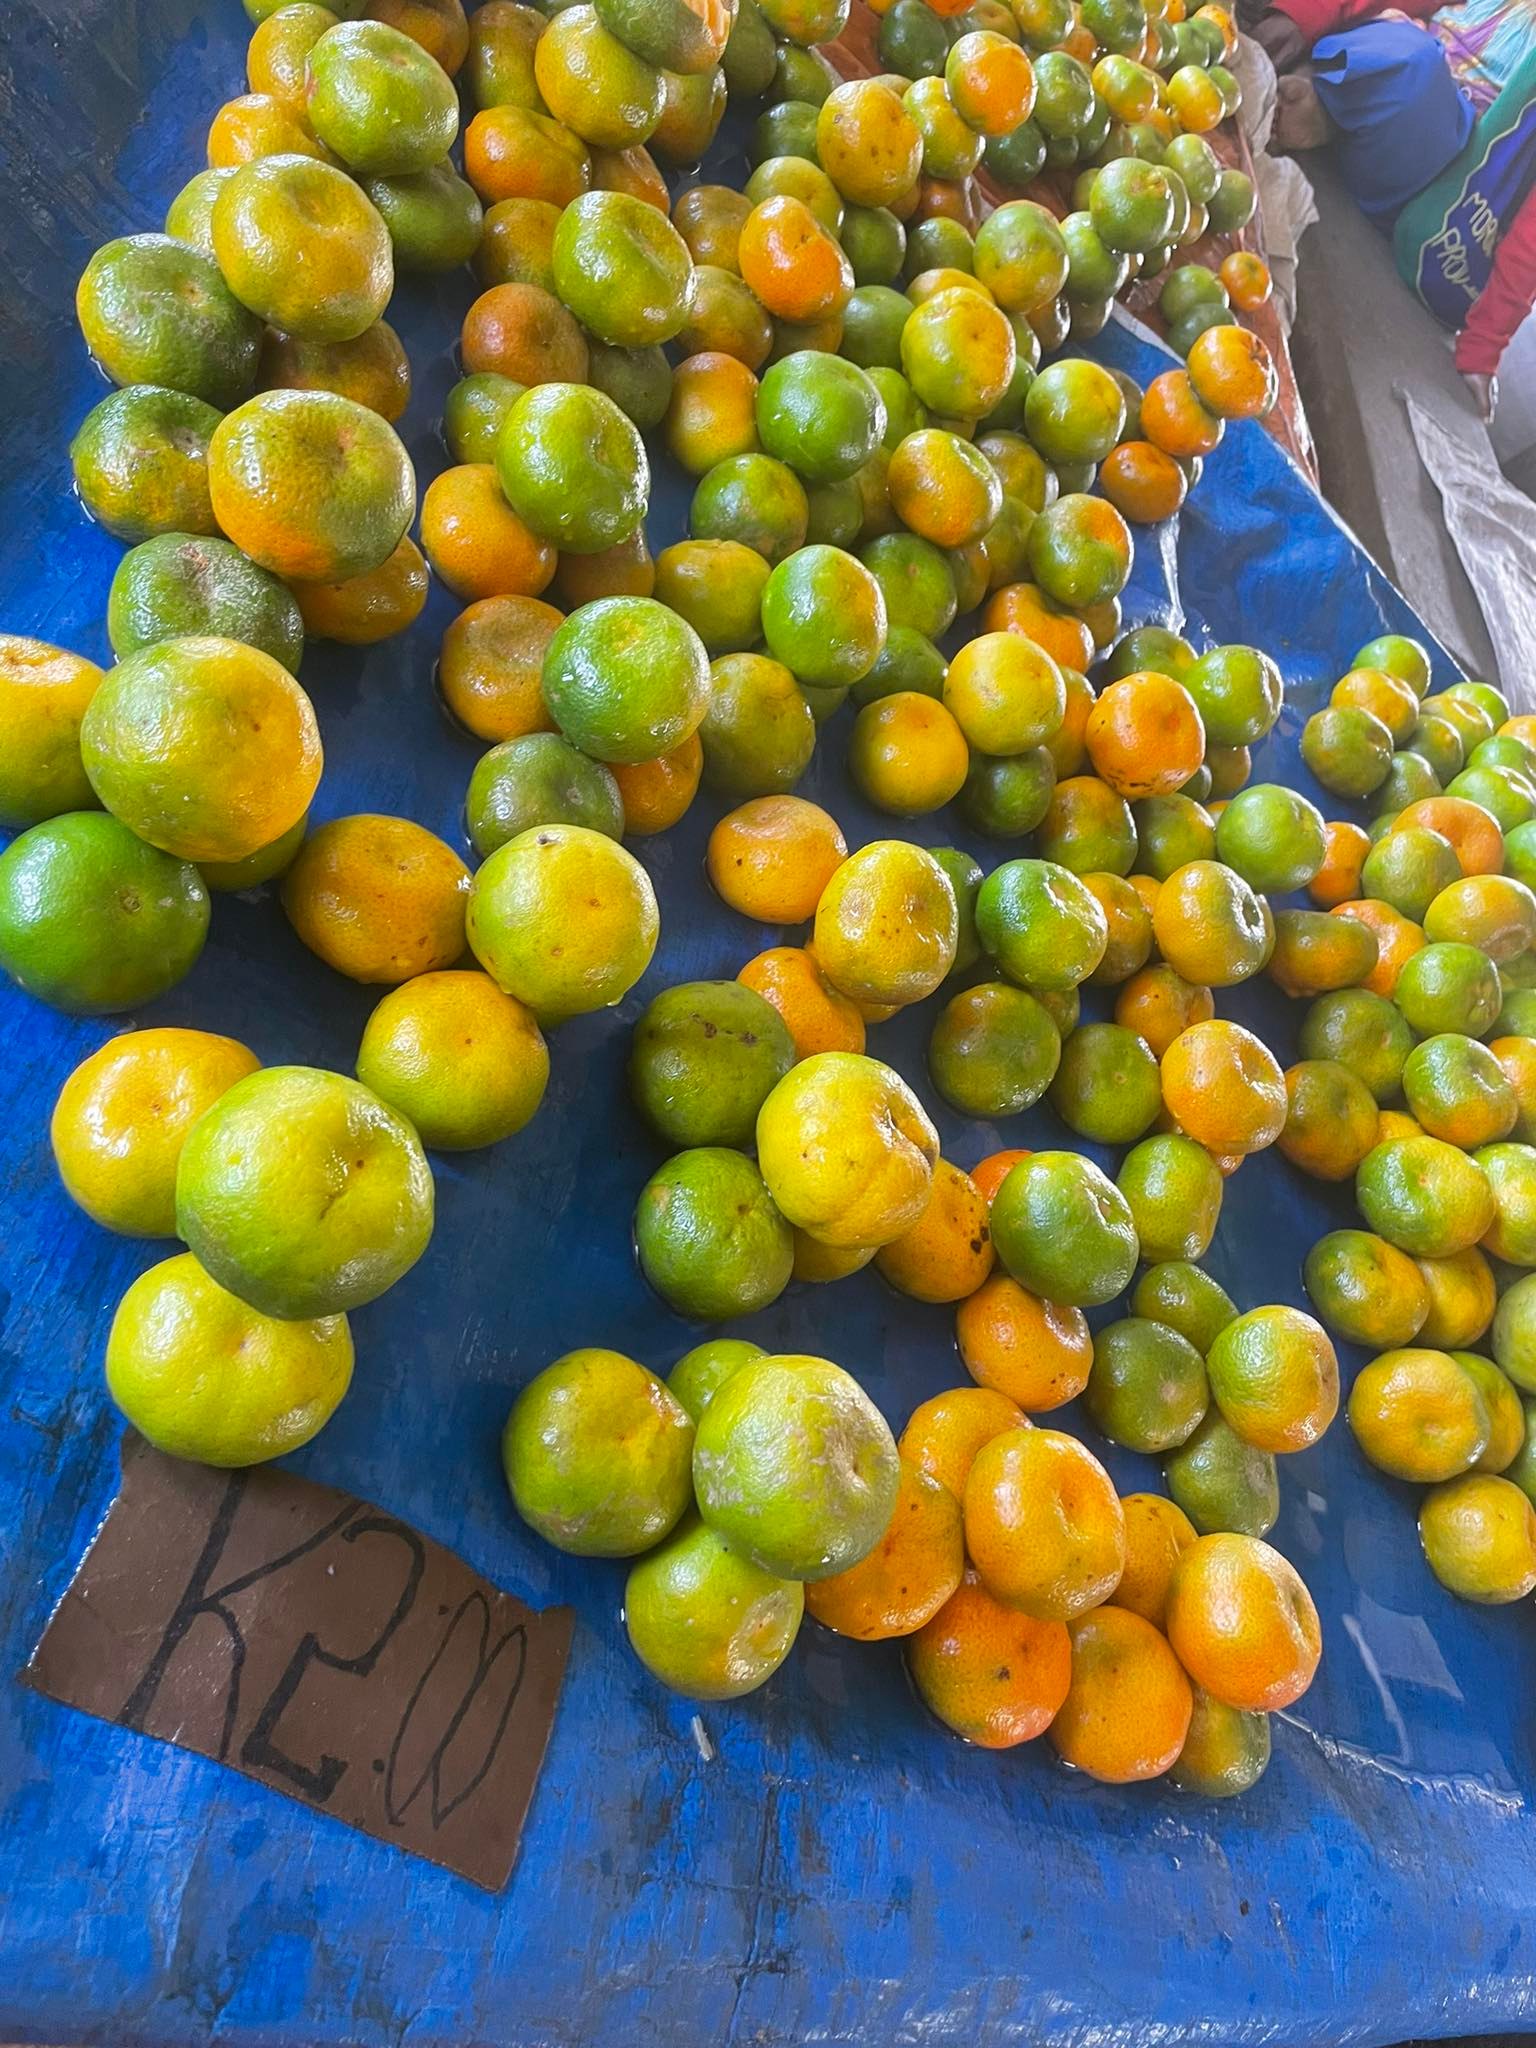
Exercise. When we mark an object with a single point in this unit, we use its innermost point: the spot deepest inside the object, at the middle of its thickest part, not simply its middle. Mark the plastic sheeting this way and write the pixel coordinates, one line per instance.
(820, 1862)
(1494, 528)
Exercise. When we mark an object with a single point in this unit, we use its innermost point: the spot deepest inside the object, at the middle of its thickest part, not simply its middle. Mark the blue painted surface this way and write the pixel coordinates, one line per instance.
(840, 1870)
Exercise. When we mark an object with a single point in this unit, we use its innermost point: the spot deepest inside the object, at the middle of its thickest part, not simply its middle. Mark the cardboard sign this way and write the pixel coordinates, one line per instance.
(317, 1644)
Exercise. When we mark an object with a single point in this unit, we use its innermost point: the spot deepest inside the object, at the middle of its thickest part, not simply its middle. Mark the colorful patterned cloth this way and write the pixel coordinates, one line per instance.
(1446, 236)
(1485, 41)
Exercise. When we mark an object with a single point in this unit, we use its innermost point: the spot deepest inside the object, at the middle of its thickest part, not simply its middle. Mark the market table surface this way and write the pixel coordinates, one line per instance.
(819, 1861)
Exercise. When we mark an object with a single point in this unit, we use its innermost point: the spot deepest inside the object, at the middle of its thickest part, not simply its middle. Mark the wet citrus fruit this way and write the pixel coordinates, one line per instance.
(179, 584)
(378, 898)
(702, 1060)
(303, 247)
(201, 1374)
(1148, 1387)
(1064, 1230)
(206, 747)
(701, 1372)
(909, 1575)
(1036, 1352)
(944, 1433)
(563, 919)
(705, 1619)
(1479, 1535)
(1462, 1296)
(994, 1050)
(1424, 1196)
(44, 692)
(947, 1253)
(1043, 1524)
(154, 311)
(1187, 1299)
(1224, 1088)
(817, 1017)
(823, 616)
(626, 679)
(1366, 1290)
(592, 82)
(1331, 1121)
(1174, 1189)
(122, 1117)
(1157, 1533)
(92, 920)
(597, 1455)
(1275, 1378)
(772, 858)
(1157, 1003)
(1221, 1482)
(464, 1062)
(1127, 1711)
(847, 1150)
(490, 666)
(1210, 926)
(1419, 1415)
(1042, 926)
(621, 268)
(1242, 1623)
(303, 1193)
(709, 1237)
(887, 924)
(310, 485)
(140, 460)
(573, 467)
(1225, 1752)
(378, 100)
(995, 1676)
(795, 1464)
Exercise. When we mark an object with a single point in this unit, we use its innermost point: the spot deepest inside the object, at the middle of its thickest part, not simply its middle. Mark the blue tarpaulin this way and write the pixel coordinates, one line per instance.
(819, 1862)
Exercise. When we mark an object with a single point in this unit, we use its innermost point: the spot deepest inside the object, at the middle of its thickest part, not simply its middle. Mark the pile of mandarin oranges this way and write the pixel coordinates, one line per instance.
(910, 524)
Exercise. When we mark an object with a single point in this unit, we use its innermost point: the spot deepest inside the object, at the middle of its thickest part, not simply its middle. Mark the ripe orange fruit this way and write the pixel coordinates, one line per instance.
(1233, 373)
(1127, 1709)
(796, 268)
(1246, 277)
(947, 1253)
(1338, 879)
(1145, 736)
(1174, 419)
(1025, 608)
(476, 542)
(490, 664)
(1157, 1003)
(944, 1434)
(1043, 1524)
(1224, 1088)
(655, 794)
(771, 858)
(1397, 938)
(817, 1017)
(522, 331)
(993, 1675)
(908, 1576)
(1039, 1353)
(1157, 1534)
(1473, 832)
(1210, 926)
(990, 1173)
(1242, 1623)
(378, 898)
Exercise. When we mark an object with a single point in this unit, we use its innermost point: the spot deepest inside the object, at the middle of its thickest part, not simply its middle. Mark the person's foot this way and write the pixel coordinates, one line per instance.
(1300, 122)
(1484, 390)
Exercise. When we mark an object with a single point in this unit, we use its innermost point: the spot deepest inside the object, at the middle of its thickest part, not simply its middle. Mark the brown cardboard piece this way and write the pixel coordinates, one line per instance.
(317, 1644)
